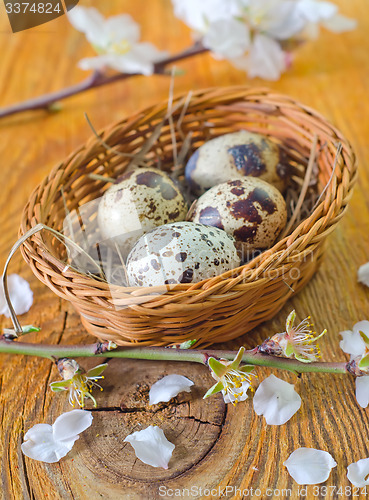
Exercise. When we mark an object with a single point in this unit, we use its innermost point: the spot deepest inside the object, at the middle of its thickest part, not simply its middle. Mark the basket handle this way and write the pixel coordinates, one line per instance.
(4, 278)
(31, 232)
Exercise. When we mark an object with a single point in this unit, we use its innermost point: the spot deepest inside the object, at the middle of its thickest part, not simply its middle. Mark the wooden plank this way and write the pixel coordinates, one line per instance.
(216, 446)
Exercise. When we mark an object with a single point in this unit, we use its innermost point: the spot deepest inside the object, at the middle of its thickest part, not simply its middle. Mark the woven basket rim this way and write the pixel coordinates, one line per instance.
(36, 247)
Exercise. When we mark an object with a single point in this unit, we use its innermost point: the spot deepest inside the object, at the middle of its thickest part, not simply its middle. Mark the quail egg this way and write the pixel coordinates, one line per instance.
(249, 209)
(233, 156)
(143, 199)
(182, 252)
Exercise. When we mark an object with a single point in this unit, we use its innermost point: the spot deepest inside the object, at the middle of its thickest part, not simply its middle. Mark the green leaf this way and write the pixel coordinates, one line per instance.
(246, 368)
(97, 371)
(237, 360)
(187, 344)
(364, 362)
(302, 360)
(60, 386)
(289, 350)
(217, 367)
(364, 337)
(214, 389)
(290, 320)
(30, 328)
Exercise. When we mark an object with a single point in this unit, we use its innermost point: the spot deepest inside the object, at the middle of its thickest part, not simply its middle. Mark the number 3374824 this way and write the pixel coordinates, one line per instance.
(33, 7)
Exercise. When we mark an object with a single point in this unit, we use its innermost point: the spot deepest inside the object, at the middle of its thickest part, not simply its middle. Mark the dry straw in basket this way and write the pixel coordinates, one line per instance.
(217, 309)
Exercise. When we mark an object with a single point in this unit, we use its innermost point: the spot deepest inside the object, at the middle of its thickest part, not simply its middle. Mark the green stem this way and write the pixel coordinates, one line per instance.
(252, 357)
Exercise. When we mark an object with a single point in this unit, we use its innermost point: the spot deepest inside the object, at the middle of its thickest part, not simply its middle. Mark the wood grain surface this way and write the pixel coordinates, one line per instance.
(216, 446)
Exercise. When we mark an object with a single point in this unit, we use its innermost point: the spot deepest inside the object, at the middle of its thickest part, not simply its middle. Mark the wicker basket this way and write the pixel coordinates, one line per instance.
(217, 309)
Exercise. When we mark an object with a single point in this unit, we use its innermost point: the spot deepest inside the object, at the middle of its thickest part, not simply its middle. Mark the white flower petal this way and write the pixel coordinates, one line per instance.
(339, 23)
(362, 391)
(227, 38)
(41, 445)
(352, 343)
(277, 400)
(199, 14)
(89, 21)
(122, 27)
(358, 472)
(279, 19)
(241, 392)
(315, 11)
(142, 57)
(20, 294)
(68, 425)
(98, 62)
(266, 59)
(38, 430)
(363, 274)
(47, 451)
(168, 387)
(361, 326)
(309, 466)
(151, 446)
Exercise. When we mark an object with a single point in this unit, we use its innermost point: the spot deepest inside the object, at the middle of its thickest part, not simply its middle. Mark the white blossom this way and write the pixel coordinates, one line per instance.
(249, 33)
(116, 40)
(358, 473)
(77, 381)
(363, 274)
(168, 387)
(309, 466)
(265, 59)
(151, 446)
(315, 13)
(277, 400)
(20, 293)
(232, 380)
(49, 443)
(362, 390)
(351, 342)
(227, 39)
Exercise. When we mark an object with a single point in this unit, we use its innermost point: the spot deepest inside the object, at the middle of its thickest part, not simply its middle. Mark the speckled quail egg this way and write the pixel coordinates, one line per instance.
(182, 252)
(249, 209)
(233, 156)
(143, 199)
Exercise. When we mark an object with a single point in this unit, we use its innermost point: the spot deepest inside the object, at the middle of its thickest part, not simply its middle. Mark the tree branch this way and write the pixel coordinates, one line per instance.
(103, 349)
(93, 81)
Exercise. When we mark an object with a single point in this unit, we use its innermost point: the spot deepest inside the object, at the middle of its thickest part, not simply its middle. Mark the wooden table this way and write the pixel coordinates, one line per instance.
(217, 447)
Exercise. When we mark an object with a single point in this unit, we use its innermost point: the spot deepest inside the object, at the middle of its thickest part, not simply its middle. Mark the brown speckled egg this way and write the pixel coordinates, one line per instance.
(233, 156)
(249, 209)
(143, 199)
(183, 252)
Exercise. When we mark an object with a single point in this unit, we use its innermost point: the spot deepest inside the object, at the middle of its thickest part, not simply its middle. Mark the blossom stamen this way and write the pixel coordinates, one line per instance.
(79, 382)
(298, 341)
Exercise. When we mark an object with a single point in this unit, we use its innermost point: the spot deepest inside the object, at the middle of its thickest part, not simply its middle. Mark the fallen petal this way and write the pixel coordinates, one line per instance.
(277, 400)
(168, 387)
(357, 473)
(309, 466)
(362, 391)
(20, 294)
(352, 343)
(151, 446)
(40, 444)
(68, 425)
(363, 274)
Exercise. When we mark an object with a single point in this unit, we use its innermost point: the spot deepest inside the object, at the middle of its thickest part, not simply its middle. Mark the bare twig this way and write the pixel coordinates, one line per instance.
(93, 81)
